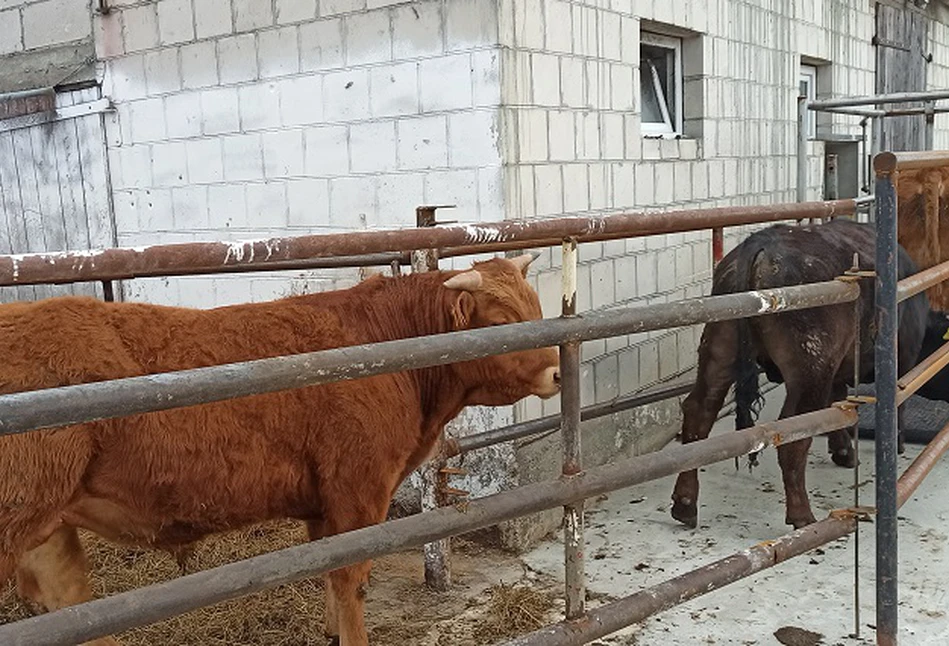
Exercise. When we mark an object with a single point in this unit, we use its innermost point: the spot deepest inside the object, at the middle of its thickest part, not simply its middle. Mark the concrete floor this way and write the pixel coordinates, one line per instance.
(633, 542)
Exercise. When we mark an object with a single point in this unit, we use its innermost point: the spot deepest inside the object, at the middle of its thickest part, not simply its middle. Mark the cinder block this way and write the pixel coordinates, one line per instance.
(250, 15)
(220, 111)
(327, 151)
(625, 273)
(628, 378)
(198, 66)
(683, 260)
(238, 58)
(277, 53)
(399, 196)
(154, 209)
(212, 18)
(623, 185)
(321, 45)
(266, 205)
(372, 146)
(294, 10)
(458, 187)
(545, 79)
(491, 193)
(126, 210)
(205, 160)
(473, 139)
(161, 71)
(141, 27)
(11, 32)
(652, 147)
(603, 284)
(470, 23)
(559, 27)
(629, 35)
(417, 30)
(572, 84)
(283, 153)
(665, 184)
(227, 207)
(183, 114)
(562, 135)
(610, 35)
(353, 202)
(301, 100)
(169, 164)
(621, 87)
(634, 139)
(368, 38)
(668, 356)
(106, 34)
(528, 24)
(648, 363)
(446, 83)
(576, 189)
(584, 31)
(599, 186)
(645, 184)
(646, 274)
(700, 181)
(611, 135)
(486, 69)
(548, 189)
(666, 278)
(242, 158)
(532, 134)
(309, 202)
(682, 181)
(606, 372)
(147, 120)
(346, 95)
(175, 22)
(393, 90)
(423, 142)
(190, 205)
(259, 106)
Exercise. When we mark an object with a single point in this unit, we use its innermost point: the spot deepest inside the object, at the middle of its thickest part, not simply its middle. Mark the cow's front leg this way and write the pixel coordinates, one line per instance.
(840, 442)
(714, 378)
(792, 458)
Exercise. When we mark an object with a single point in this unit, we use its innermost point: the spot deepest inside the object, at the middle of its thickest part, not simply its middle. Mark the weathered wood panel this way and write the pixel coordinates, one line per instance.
(54, 192)
(901, 43)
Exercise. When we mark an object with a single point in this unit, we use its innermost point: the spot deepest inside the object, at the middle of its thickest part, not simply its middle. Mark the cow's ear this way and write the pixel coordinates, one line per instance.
(462, 310)
(522, 262)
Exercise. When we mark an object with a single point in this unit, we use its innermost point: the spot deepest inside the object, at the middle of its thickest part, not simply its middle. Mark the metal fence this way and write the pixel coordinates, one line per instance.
(74, 404)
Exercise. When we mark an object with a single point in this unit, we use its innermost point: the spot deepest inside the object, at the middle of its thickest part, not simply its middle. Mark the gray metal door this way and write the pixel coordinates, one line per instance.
(54, 186)
(901, 43)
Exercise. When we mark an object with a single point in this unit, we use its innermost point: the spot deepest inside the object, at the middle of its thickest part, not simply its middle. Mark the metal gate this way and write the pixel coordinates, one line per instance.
(54, 186)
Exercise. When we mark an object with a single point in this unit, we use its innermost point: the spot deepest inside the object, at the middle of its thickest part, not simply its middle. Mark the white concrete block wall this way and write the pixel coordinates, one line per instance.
(938, 73)
(573, 141)
(37, 24)
(238, 119)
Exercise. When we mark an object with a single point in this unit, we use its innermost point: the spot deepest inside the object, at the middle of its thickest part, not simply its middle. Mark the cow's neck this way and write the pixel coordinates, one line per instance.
(411, 306)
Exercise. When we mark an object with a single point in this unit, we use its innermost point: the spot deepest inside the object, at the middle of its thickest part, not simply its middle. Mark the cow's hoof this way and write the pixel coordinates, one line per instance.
(685, 512)
(844, 458)
(900, 446)
(803, 521)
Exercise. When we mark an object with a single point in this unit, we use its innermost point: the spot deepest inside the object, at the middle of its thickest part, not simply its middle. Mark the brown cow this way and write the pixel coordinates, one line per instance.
(330, 455)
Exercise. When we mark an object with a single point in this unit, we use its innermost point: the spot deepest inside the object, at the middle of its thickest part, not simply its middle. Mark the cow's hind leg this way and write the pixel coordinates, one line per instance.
(840, 442)
(55, 574)
(715, 376)
(316, 531)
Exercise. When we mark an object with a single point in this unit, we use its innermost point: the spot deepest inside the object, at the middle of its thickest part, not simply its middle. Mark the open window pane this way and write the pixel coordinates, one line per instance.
(660, 84)
(807, 87)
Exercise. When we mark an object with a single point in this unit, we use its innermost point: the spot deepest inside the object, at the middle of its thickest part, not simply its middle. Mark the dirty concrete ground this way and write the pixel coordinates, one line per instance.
(634, 542)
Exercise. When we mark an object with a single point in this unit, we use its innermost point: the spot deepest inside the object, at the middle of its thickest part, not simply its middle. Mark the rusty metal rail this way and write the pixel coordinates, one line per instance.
(124, 397)
(635, 608)
(216, 257)
(161, 601)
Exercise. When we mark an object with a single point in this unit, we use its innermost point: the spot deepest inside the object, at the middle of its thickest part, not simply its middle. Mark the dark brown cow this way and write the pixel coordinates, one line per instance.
(330, 455)
(811, 351)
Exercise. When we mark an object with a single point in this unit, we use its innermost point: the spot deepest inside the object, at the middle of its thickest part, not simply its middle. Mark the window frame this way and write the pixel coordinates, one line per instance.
(670, 128)
(808, 74)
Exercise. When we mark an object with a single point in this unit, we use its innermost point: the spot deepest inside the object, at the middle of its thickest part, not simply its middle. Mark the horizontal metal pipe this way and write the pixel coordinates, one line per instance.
(123, 397)
(879, 99)
(916, 378)
(163, 600)
(635, 608)
(857, 112)
(457, 446)
(209, 257)
(919, 282)
(889, 162)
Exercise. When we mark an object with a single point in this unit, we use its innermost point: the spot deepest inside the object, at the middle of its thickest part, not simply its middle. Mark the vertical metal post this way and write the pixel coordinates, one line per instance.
(876, 147)
(885, 375)
(718, 246)
(108, 293)
(570, 434)
(857, 351)
(437, 555)
(802, 149)
(930, 125)
(865, 156)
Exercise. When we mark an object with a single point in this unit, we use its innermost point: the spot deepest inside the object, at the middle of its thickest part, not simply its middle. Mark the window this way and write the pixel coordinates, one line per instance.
(660, 73)
(807, 87)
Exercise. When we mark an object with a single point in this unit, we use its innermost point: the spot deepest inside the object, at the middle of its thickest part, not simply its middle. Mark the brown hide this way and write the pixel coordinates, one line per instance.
(332, 455)
(923, 198)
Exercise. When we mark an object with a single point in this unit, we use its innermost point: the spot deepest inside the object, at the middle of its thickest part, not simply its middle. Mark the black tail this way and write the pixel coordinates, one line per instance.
(748, 398)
